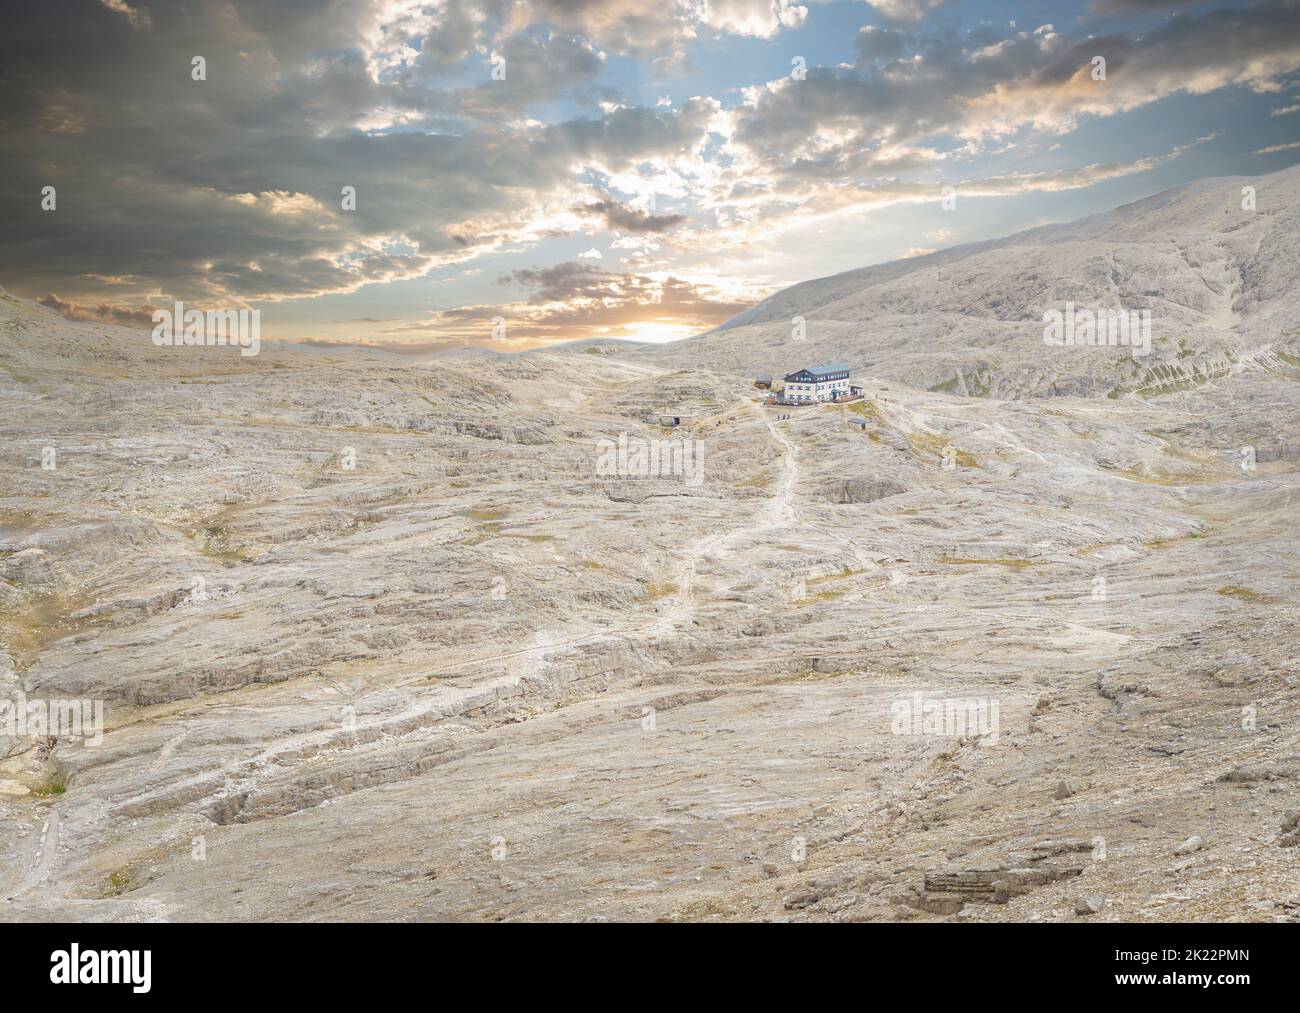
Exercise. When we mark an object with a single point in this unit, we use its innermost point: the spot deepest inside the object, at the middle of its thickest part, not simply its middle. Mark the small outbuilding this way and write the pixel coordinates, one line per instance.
(763, 381)
(673, 419)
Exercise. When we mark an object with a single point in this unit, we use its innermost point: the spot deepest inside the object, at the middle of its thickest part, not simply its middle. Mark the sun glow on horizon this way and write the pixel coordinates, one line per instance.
(656, 333)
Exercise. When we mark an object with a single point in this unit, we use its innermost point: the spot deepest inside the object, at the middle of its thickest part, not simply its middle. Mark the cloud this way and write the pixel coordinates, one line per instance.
(1127, 6)
(280, 202)
(229, 190)
(571, 301)
(990, 85)
(924, 99)
(104, 313)
(626, 219)
(876, 44)
(833, 202)
(136, 17)
(1276, 147)
(756, 18)
(905, 10)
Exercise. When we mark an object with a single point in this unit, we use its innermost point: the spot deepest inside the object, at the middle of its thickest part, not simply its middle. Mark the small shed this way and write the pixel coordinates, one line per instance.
(673, 419)
(764, 381)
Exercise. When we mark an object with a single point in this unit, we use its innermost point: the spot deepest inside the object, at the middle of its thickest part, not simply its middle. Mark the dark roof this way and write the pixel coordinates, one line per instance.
(817, 372)
(763, 376)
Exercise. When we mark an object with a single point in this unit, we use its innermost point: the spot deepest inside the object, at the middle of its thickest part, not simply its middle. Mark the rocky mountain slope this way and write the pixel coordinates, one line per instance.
(1220, 281)
(382, 639)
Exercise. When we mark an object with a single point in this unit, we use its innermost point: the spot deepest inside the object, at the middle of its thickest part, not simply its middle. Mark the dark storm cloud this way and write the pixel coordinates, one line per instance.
(596, 289)
(620, 217)
(1126, 6)
(230, 187)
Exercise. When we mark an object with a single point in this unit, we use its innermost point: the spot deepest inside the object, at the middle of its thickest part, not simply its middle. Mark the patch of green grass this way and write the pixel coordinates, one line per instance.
(380, 430)
(1169, 480)
(977, 384)
(216, 545)
(1015, 564)
(1174, 386)
(122, 881)
(828, 595)
(1165, 378)
(842, 575)
(54, 786)
(981, 384)
(867, 409)
(933, 443)
(486, 530)
(697, 909)
(490, 525)
(18, 520)
(1247, 595)
(1166, 543)
(923, 442)
(655, 591)
(18, 377)
(486, 515)
(32, 622)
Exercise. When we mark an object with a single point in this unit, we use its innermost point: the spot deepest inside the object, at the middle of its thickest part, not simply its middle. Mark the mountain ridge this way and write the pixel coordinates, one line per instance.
(1058, 231)
(1218, 279)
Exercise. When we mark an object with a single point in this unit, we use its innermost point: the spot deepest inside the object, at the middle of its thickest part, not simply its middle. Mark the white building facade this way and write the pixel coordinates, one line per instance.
(818, 383)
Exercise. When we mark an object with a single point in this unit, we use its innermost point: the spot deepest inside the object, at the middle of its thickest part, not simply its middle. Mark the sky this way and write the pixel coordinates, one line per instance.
(535, 171)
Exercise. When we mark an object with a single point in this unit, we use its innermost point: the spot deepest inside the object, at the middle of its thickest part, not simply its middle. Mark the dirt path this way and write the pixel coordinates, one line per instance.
(863, 558)
(776, 512)
(46, 846)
